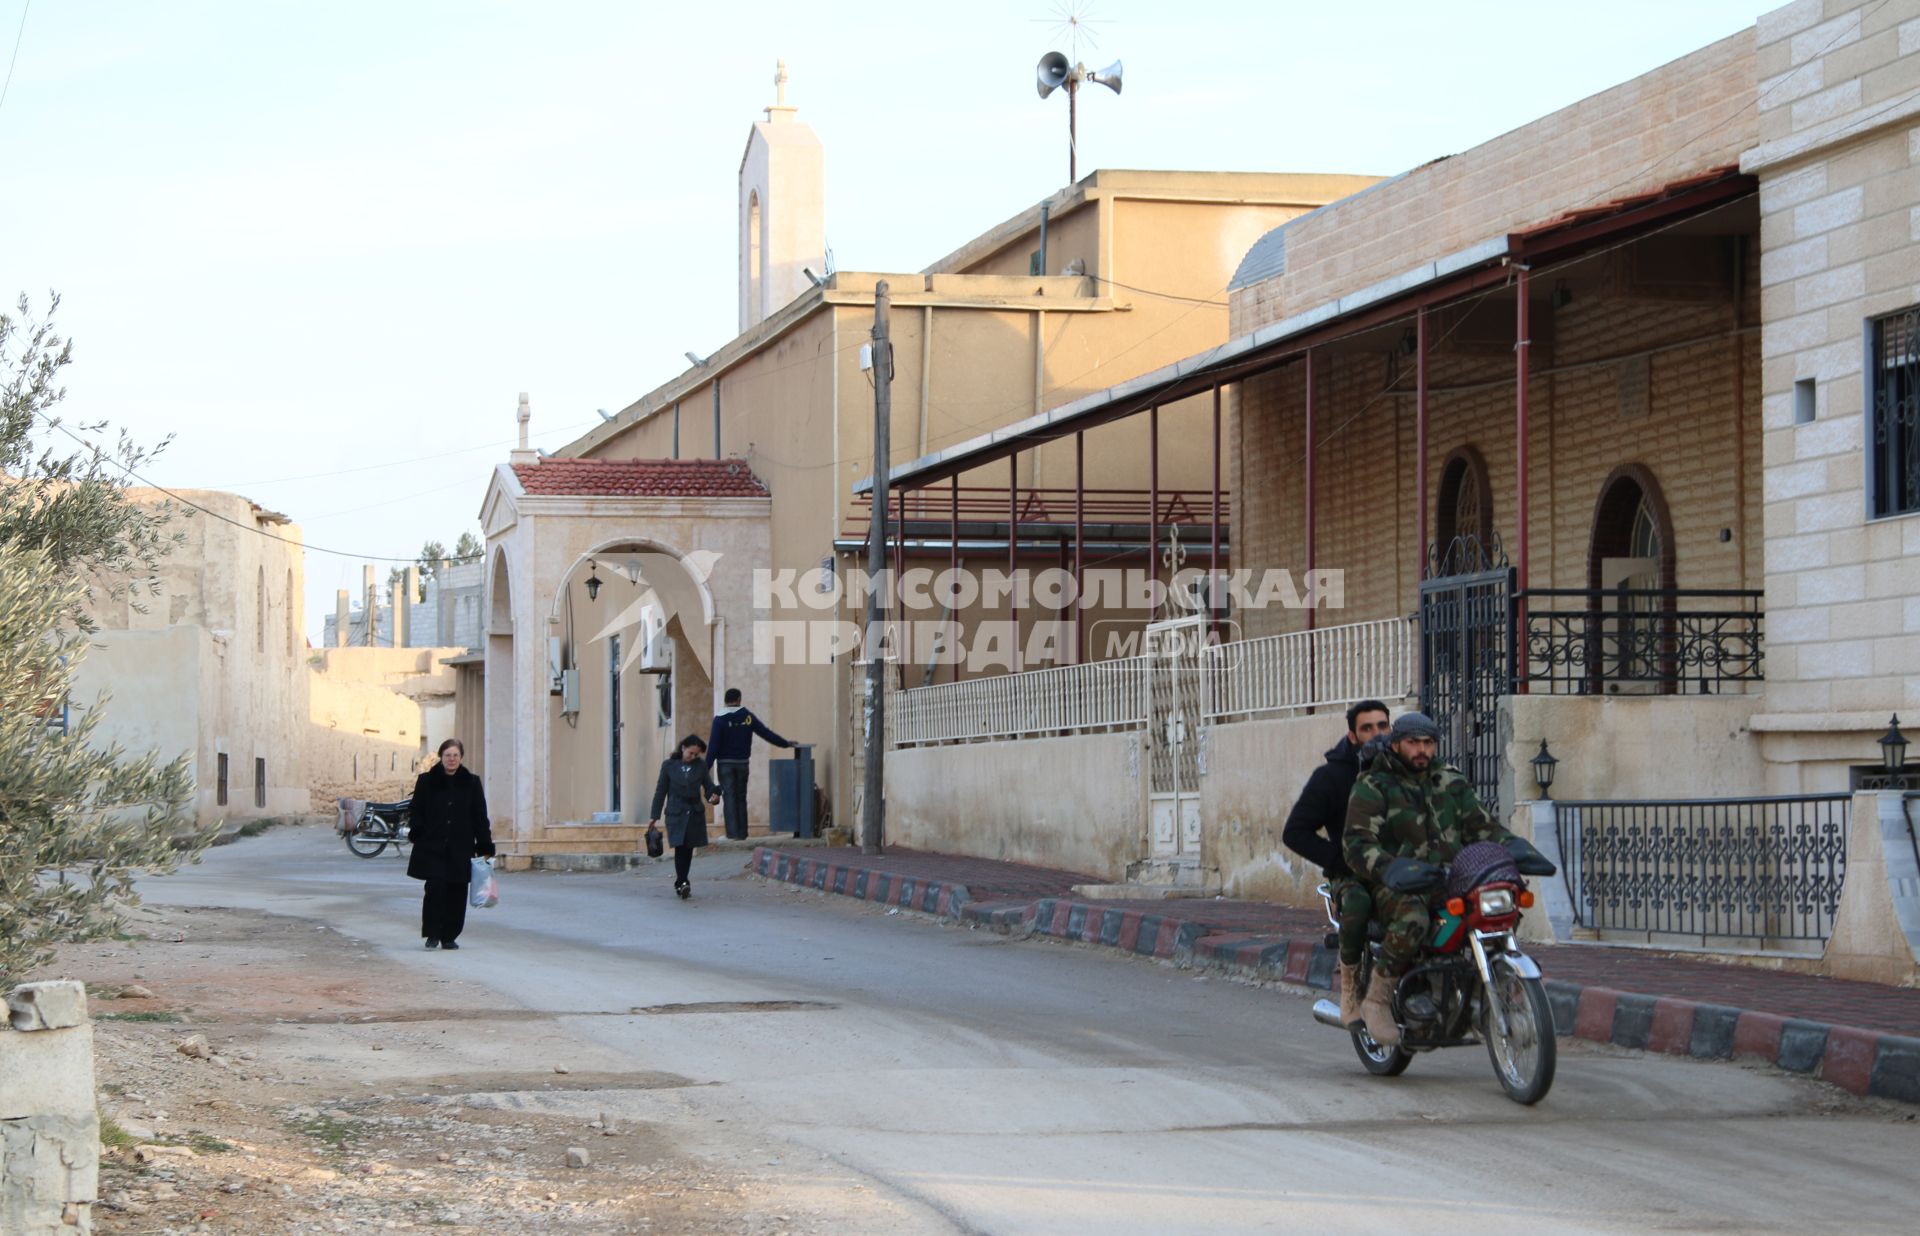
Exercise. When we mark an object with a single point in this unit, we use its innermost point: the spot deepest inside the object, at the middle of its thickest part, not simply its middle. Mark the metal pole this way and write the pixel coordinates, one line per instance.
(873, 824)
(896, 596)
(1309, 479)
(1013, 551)
(953, 555)
(1522, 354)
(1153, 498)
(1073, 152)
(1420, 427)
(1213, 554)
(1079, 543)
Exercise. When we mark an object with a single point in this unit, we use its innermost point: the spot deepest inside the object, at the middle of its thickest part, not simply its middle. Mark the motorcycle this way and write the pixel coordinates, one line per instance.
(1473, 983)
(380, 825)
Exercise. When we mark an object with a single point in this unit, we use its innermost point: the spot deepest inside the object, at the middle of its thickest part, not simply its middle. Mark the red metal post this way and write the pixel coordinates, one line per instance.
(1522, 354)
(953, 553)
(1013, 550)
(1153, 495)
(1309, 480)
(899, 594)
(1213, 554)
(1420, 427)
(1079, 544)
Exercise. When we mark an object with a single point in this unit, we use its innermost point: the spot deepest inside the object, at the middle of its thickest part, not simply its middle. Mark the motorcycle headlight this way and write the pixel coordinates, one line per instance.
(1496, 902)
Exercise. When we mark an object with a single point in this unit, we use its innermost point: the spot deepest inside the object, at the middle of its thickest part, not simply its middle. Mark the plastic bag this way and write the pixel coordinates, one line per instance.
(483, 891)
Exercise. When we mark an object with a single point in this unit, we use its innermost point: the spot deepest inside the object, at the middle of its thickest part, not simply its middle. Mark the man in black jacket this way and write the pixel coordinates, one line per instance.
(1314, 830)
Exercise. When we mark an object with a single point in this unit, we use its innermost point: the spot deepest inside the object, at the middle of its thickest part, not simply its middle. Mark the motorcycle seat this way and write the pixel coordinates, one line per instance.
(389, 808)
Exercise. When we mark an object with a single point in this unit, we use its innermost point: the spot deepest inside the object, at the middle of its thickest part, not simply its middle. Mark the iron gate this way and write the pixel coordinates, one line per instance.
(1466, 660)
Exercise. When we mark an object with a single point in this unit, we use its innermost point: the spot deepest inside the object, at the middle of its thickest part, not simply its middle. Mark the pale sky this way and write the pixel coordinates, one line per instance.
(317, 241)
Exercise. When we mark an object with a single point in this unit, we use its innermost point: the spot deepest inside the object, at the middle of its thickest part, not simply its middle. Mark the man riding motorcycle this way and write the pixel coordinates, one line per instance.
(1407, 804)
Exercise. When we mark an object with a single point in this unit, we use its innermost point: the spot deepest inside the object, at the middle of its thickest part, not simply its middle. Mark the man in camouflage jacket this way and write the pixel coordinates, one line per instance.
(1407, 804)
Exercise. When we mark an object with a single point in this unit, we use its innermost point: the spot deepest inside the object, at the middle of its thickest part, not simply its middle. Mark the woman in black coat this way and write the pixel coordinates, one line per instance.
(686, 790)
(449, 827)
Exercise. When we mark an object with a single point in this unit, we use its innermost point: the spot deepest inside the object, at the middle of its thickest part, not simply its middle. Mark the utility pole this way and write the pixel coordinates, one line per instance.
(873, 824)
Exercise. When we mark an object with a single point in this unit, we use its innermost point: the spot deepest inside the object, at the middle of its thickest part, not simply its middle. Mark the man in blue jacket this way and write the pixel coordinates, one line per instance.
(730, 747)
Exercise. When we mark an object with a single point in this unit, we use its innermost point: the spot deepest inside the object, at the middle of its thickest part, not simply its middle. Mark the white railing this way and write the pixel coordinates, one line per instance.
(1311, 669)
(1101, 695)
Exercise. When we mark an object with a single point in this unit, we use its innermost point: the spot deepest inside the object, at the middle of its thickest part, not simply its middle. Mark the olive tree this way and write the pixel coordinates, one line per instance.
(78, 821)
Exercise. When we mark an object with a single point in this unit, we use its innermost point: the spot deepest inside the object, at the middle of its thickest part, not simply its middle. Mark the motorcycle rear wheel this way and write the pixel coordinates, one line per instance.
(1524, 1058)
(366, 845)
(1379, 1061)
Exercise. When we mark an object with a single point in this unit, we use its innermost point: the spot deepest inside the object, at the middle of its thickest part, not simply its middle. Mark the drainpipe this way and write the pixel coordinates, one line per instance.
(1522, 355)
(1420, 429)
(1310, 495)
(1045, 207)
(716, 417)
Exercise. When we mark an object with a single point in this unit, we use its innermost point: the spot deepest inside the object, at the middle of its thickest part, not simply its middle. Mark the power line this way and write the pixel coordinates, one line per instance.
(225, 519)
(15, 58)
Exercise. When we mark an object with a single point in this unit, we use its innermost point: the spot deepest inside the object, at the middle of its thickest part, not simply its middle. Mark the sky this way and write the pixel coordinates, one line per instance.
(325, 246)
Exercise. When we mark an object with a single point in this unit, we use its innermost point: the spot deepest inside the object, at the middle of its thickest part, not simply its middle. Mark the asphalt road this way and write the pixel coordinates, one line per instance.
(1010, 1087)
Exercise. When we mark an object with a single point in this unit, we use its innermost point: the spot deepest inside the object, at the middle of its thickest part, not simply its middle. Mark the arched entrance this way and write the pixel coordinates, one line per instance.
(637, 653)
(1630, 573)
(494, 744)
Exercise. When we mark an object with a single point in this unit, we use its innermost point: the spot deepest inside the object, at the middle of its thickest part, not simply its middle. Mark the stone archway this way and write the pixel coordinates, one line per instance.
(501, 699)
(1464, 503)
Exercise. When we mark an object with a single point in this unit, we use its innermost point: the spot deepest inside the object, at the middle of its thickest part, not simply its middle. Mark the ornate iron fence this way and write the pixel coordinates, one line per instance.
(1064, 699)
(1766, 871)
(1580, 641)
(1327, 667)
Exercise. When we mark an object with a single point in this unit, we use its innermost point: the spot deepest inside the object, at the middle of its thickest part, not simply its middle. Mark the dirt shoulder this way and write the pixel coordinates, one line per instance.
(262, 1074)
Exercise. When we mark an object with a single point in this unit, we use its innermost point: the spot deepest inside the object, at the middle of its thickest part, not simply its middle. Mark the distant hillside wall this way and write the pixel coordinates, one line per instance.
(375, 718)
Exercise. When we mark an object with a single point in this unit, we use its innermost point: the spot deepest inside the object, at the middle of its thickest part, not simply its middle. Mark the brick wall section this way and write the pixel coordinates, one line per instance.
(1839, 168)
(1698, 436)
(1683, 118)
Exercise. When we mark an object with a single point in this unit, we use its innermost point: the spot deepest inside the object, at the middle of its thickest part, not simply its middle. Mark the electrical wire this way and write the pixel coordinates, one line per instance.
(18, 36)
(53, 423)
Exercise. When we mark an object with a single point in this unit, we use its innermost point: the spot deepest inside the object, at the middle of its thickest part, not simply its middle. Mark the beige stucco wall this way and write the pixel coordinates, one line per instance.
(1628, 747)
(1077, 803)
(374, 717)
(1838, 158)
(212, 665)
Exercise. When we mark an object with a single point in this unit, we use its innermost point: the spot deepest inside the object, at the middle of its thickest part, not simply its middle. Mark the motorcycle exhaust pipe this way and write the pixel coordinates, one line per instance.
(1327, 1013)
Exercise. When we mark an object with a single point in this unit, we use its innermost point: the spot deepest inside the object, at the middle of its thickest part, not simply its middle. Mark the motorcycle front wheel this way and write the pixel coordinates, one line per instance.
(1379, 1061)
(1523, 1058)
(366, 845)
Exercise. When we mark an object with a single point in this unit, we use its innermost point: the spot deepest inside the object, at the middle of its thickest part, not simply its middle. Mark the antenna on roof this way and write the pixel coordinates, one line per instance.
(1056, 70)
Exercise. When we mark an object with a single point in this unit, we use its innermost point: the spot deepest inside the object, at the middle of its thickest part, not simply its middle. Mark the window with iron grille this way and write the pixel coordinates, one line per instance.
(1893, 439)
(259, 782)
(220, 783)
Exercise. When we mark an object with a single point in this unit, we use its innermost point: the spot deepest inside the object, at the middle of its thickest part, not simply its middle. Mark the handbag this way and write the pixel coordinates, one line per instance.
(483, 891)
(656, 843)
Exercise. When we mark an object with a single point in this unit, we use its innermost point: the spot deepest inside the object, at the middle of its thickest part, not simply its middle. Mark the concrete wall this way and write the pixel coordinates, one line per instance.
(1626, 746)
(1838, 156)
(49, 1127)
(1077, 803)
(368, 732)
(1255, 771)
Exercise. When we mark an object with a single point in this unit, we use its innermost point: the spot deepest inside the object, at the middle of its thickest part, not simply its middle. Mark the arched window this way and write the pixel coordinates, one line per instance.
(1630, 564)
(755, 256)
(1464, 507)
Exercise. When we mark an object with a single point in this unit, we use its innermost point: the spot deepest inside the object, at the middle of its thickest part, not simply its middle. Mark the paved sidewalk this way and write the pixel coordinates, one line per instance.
(1864, 1037)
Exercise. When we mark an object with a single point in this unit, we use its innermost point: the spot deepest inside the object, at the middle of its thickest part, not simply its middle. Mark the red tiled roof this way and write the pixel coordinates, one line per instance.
(641, 478)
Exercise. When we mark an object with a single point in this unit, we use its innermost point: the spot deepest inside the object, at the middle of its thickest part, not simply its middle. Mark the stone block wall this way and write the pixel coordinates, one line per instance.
(49, 1128)
(1839, 167)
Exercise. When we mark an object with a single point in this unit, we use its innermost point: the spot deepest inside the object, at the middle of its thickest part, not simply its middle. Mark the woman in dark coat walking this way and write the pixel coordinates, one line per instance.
(449, 827)
(686, 790)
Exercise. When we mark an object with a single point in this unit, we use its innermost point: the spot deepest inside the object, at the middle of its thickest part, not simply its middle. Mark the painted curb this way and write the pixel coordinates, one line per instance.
(1862, 1062)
